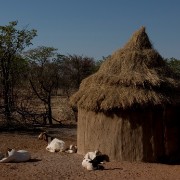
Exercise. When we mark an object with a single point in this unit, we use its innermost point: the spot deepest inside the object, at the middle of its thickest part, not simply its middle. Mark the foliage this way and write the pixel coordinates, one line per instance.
(50, 70)
(43, 75)
(73, 69)
(174, 64)
(12, 43)
(99, 62)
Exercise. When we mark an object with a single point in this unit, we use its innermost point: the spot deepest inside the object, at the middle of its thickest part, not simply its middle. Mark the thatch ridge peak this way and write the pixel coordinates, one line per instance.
(139, 40)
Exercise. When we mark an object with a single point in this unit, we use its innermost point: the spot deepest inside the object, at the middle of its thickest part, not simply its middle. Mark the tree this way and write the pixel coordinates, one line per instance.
(12, 43)
(73, 69)
(43, 75)
(174, 64)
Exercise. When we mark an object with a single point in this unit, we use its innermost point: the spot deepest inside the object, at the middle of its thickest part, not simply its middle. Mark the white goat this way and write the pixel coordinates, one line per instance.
(56, 145)
(16, 156)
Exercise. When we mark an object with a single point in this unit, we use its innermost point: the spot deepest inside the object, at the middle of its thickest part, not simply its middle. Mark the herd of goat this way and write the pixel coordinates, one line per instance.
(91, 161)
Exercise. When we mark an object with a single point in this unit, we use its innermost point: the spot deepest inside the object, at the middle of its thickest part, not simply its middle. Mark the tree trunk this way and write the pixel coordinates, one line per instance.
(7, 104)
(49, 110)
(6, 90)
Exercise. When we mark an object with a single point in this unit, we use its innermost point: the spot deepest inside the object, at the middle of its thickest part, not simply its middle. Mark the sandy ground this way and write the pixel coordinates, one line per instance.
(61, 166)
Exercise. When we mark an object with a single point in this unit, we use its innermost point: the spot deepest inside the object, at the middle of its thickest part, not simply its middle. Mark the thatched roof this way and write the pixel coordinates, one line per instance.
(135, 75)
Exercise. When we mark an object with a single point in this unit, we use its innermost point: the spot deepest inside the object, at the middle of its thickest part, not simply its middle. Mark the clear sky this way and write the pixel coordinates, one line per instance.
(96, 28)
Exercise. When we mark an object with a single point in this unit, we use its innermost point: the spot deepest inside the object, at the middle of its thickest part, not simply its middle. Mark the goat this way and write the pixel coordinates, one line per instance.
(92, 155)
(16, 156)
(56, 145)
(88, 165)
(93, 160)
(71, 149)
(1, 155)
(45, 137)
(100, 159)
(94, 164)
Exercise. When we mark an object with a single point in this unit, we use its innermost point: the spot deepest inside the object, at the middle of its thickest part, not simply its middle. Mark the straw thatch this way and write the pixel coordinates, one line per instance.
(135, 75)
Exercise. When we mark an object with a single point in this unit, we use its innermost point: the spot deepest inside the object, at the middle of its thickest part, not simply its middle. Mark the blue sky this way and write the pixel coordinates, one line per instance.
(96, 28)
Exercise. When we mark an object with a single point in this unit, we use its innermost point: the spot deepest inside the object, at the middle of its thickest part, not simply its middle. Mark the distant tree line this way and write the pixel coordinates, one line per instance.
(174, 64)
(40, 73)
(41, 70)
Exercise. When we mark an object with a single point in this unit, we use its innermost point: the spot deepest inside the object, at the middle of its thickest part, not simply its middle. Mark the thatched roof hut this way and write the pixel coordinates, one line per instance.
(110, 103)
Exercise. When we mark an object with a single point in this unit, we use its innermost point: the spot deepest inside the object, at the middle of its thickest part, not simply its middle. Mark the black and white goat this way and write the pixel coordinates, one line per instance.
(94, 160)
(44, 136)
(71, 149)
(56, 145)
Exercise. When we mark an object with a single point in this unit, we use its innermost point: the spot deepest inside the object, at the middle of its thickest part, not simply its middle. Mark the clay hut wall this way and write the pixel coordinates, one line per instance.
(172, 131)
(122, 136)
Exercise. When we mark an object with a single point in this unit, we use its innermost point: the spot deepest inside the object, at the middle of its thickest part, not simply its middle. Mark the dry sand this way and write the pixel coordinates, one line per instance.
(60, 166)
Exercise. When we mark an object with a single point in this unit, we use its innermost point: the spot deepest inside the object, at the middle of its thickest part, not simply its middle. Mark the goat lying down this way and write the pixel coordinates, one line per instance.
(71, 149)
(56, 145)
(16, 156)
(94, 160)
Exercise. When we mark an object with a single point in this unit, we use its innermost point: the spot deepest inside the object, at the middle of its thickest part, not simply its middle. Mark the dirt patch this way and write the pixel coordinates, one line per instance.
(61, 166)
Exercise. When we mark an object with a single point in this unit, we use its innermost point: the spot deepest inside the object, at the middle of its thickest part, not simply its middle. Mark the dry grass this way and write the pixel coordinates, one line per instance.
(30, 112)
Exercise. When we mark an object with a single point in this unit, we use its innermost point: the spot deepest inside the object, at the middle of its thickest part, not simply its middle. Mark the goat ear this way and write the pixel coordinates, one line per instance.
(9, 149)
(44, 136)
(6, 153)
